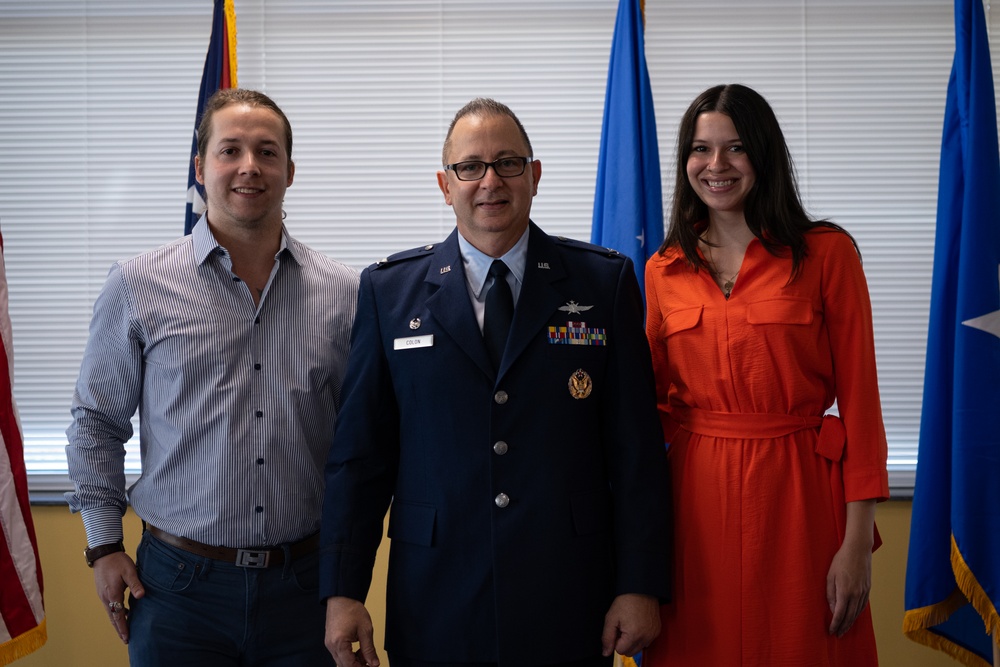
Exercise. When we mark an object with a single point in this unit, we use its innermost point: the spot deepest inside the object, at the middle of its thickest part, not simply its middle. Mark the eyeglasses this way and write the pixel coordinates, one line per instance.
(505, 167)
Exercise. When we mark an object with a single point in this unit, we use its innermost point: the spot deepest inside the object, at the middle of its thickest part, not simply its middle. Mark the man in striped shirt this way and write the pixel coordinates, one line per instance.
(231, 343)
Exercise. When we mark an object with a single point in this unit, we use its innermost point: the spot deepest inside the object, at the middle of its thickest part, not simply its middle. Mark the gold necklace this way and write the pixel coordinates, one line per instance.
(727, 285)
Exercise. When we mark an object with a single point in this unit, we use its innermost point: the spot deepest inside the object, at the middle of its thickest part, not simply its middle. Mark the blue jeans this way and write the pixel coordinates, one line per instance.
(200, 612)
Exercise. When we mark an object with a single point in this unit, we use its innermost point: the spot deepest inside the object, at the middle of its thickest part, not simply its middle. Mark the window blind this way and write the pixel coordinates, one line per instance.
(98, 101)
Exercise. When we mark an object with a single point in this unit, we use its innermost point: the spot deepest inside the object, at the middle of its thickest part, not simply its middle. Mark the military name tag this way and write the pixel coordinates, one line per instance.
(413, 342)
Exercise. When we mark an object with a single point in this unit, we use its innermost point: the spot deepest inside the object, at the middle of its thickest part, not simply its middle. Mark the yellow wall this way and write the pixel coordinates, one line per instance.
(80, 634)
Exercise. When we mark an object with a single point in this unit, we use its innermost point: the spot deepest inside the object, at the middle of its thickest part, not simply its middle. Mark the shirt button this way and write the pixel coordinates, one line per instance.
(260, 414)
(502, 500)
(256, 320)
(500, 447)
(500, 397)
(258, 509)
(256, 367)
(260, 462)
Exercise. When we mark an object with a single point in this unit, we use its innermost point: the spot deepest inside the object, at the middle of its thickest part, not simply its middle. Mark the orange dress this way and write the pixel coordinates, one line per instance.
(760, 481)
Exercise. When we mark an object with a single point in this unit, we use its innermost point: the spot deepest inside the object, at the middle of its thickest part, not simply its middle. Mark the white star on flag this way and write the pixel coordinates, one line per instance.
(990, 322)
(197, 203)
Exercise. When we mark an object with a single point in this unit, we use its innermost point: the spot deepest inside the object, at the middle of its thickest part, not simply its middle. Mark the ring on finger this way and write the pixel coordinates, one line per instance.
(116, 607)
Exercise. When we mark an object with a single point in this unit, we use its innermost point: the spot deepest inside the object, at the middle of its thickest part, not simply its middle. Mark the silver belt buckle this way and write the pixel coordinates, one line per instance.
(255, 559)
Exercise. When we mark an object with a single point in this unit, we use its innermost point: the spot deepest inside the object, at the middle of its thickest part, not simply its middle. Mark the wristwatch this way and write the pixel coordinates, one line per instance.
(102, 550)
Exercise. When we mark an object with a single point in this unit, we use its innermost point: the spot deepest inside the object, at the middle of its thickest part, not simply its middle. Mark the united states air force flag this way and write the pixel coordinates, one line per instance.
(953, 569)
(628, 200)
(220, 72)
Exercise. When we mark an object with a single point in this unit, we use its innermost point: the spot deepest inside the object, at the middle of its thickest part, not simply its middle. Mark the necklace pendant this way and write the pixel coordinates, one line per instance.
(727, 287)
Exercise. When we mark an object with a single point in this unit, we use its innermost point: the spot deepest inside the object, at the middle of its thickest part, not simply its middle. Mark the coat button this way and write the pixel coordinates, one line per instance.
(500, 447)
(500, 397)
(502, 500)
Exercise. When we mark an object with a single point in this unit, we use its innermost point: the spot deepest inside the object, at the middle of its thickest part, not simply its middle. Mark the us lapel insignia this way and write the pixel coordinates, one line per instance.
(543, 265)
(445, 269)
(415, 323)
(580, 384)
(574, 308)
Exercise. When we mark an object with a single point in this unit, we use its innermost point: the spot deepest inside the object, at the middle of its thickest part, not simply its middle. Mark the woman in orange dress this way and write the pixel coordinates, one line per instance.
(759, 319)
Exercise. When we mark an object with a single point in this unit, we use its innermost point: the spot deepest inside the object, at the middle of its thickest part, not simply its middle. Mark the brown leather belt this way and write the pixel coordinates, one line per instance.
(255, 558)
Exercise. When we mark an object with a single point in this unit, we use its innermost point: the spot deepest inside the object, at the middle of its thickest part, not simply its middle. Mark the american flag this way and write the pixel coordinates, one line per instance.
(220, 72)
(22, 612)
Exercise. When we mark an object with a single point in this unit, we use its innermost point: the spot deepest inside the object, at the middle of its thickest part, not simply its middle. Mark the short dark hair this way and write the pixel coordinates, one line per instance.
(485, 107)
(773, 208)
(227, 96)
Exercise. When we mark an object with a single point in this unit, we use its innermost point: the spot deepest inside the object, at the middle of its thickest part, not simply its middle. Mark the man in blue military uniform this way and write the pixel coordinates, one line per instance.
(499, 394)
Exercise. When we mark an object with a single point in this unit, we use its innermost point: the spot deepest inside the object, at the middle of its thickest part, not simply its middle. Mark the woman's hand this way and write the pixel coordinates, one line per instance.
(849, 581)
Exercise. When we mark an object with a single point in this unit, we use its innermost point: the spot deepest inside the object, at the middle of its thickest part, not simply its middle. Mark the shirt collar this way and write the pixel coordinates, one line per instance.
(205, 243)
(671, 254)
(477, 263)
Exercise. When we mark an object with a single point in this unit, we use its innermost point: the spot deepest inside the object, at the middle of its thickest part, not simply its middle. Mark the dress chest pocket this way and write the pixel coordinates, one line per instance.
(681, 319)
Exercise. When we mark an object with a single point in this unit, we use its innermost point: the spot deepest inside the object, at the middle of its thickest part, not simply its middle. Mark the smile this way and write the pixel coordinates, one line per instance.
(720, 184)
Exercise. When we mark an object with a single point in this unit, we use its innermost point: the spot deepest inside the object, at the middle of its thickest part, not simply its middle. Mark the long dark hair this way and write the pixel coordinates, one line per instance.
(773, 208)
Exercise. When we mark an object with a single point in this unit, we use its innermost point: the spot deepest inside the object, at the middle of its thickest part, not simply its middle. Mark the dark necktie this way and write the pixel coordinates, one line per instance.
(499, 312)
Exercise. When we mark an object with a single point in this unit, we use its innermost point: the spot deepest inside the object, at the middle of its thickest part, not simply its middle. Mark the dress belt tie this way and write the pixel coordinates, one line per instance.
(760, 425)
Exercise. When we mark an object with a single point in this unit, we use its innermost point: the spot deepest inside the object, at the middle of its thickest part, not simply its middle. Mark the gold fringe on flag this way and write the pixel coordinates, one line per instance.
(23, 644)
(974, 591)
(917, 622)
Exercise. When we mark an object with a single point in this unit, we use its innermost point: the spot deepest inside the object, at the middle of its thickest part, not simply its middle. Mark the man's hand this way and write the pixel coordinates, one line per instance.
(631, 624)
(112, 575)
(348, 623)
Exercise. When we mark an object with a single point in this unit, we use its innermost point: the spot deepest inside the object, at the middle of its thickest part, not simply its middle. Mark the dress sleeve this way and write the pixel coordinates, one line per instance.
(848, 312)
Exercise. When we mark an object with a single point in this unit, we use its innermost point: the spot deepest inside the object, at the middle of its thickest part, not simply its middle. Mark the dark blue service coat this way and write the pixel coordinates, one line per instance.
(522, 501)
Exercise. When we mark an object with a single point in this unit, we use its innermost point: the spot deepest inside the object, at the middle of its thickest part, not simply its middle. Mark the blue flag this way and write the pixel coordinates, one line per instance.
(628, 200)
(219, 72)
(953, 569)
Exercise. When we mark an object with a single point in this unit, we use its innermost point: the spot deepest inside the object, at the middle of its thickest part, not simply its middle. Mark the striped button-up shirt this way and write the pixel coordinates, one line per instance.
(237, 402)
